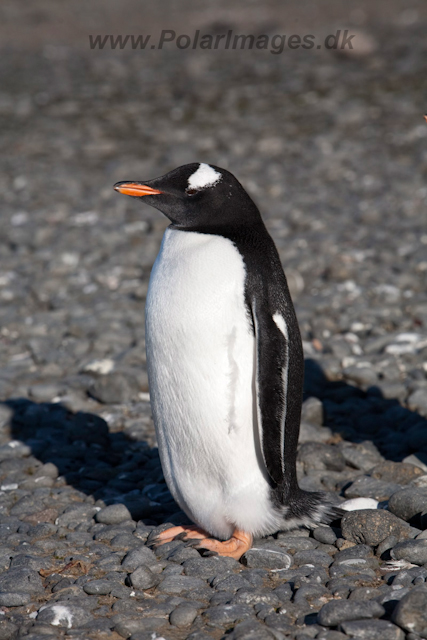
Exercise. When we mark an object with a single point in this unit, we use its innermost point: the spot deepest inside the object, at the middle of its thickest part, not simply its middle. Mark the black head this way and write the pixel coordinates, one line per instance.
(196, 196)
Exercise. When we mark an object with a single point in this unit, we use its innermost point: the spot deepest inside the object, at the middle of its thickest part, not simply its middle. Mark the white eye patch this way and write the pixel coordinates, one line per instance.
(204, 177)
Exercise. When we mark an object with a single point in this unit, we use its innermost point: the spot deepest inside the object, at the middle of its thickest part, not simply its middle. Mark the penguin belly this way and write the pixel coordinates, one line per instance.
(201, 367)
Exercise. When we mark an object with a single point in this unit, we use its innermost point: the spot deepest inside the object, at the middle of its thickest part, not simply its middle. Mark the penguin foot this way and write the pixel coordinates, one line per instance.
(235, 547)
(189, 532)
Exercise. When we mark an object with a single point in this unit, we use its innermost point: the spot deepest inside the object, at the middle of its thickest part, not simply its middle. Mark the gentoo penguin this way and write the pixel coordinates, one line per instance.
(225, 364)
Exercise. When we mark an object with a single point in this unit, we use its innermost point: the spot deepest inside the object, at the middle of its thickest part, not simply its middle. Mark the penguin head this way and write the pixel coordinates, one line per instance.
(196, 195)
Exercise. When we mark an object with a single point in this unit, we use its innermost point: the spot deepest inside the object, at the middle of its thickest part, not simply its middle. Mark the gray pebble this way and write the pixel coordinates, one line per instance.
(140, 556)
(268, 557)
(131, 626)
(113, 514)
(408, 503)
(314, 556)
(372, 526)
(336, 611)
(324, 534)
(312, 411)
(230, 583)
(414, 551)
(256, 596)
(143, 578)
(183, 615)
(14, 599)
(22, 581)
(411, 611)
(372, 630)
(208, 568)
(367, 487)
(177, 584)
(98, 587)
(223, 615)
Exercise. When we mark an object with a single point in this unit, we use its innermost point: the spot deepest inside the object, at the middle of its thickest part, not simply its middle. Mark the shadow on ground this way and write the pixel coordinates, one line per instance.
(114, 468)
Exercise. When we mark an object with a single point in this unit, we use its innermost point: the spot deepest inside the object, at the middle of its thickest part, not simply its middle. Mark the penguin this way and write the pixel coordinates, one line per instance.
(225, 365)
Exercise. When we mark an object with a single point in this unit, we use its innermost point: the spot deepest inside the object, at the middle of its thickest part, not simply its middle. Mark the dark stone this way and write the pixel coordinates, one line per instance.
(143, 578)
(130, 626)
(396, 472)
(324, 534)
(177, 584)
(372, 526)
(14, 599)
(372, 630)
(315, 455)
(312, 411)
(21, 581)
(366, 487)
(414, 551)
(337, 611)
(113, 514)
(98, 587)
(183, 615)
(314, 556)
(256, 596)
(140, 556)
(223, 615)
(408, 503)
(208, 568)
(411, 612)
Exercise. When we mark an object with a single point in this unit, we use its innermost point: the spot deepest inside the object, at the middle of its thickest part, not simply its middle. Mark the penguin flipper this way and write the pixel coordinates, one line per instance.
(279, 383)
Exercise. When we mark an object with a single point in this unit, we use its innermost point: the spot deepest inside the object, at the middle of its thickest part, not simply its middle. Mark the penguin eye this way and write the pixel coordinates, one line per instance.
(191, 192)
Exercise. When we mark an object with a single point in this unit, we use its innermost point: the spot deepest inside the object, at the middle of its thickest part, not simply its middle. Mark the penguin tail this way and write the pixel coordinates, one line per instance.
(310, 508)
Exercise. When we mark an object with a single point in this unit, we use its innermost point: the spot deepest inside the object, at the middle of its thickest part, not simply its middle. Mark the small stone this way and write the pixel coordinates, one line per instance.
(367, 487)
(176, 585)
(362, 376)
(397, 472)
(337, 611)
(143, 578)
(21, 580)
(411, 611)
(208, 568)
(372, 630)
(139, 556)
(130, 627)
(408, 503)
(312, 557)
(371, 527)
(113, 388)
(267, 557)
(324, 534)
(417, 401)
(256, 596)
(413, 551)
(315, 455)
(14, 599)
(113, 514)
(183, 615)
(223, 615)
(312, 411)
(98, 587)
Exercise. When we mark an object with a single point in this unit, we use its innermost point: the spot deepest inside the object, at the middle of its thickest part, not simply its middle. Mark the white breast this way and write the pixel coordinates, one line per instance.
(200, 354)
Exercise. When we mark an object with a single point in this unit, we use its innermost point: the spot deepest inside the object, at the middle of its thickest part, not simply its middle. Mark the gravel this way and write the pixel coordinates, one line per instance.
(332, 146)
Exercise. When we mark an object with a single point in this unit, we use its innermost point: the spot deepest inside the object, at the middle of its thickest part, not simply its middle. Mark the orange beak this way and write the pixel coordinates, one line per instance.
(135, 189)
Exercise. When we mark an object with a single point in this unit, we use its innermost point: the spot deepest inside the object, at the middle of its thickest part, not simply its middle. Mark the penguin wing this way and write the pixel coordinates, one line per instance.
(274, 394)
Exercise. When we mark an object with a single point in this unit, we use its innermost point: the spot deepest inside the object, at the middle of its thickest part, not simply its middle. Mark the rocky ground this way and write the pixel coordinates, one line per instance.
(333, 149)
